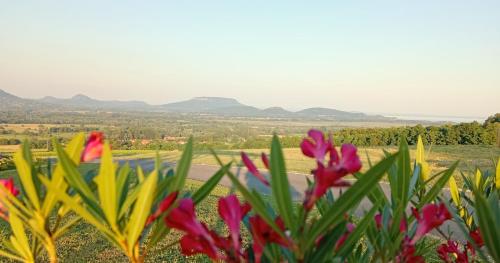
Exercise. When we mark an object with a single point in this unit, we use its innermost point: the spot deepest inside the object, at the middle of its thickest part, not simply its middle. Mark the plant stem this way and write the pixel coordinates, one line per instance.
(51, 250)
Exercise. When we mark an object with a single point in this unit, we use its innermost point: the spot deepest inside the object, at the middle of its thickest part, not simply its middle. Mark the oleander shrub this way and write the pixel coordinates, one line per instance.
(344, 215)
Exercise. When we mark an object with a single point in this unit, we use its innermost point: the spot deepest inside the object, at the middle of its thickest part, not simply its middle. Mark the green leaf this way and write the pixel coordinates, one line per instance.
(438, 186)
(358, 232)
(257, 205)
(349, 199)
(183, 166)
(402, 184)
(209, 185)
(489, 223)
(122, 183)
(141, 210)
(377, 194)
(404, 167)
(325, 248)
(280, 185)
(106, 186)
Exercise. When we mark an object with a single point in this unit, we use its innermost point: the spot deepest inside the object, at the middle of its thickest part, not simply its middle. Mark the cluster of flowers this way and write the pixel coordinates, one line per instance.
(331, 169)
(450, 252)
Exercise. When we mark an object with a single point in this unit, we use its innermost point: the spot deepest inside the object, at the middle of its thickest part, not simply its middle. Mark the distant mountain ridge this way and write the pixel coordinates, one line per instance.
(84, 101)
(198, 105)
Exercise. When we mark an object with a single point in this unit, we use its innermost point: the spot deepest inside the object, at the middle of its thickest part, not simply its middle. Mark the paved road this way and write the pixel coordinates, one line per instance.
(298, 184)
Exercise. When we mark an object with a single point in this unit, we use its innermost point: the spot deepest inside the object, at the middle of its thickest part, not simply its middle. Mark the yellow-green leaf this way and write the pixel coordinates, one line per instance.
(478, 177)
(454, 191)
(106, 186)
(140, 174)
(76, 207)
(74, 150)
(420, 155)
(19, 238)
(420, 159)
(141, 210)
(24, 172)
(9, 255)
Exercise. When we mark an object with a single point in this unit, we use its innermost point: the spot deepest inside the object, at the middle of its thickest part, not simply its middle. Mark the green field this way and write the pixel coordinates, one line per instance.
(439, 157)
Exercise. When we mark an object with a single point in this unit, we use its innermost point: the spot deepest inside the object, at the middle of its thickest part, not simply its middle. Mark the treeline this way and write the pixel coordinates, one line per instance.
(460, 134)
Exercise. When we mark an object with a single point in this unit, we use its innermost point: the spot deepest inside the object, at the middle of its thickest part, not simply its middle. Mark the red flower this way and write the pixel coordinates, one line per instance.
(265, 160)
(350, 162)
(252, 168)
(232, 213)
(378, 221)
(337, 167)
(8, 184)
(452, 248)
(197, 239)
(93, 147)
(478, 239)
(192, 245)
(350, 227)
(408, 253)
(331, 176)
(432, 216)
(164, 206)
(263, 234)
(316, 146)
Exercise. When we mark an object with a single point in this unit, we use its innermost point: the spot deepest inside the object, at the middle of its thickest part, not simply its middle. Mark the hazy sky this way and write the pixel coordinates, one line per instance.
(426, 57)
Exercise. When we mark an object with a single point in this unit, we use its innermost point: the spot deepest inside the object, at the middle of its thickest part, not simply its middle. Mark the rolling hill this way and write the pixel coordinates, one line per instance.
(218, 106)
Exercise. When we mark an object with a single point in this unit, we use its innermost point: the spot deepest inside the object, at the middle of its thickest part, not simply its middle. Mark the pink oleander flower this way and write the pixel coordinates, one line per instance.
(93, 147)
(198, 238)
(232, 213)
(253, 169)
(164, 206)
(350, 227)
(263, 234)
(9, 185)
(451, 247)
(333, 174)
(432, 216)
(265, 160)
(407, 253)
(478, 239)
(316, 146)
